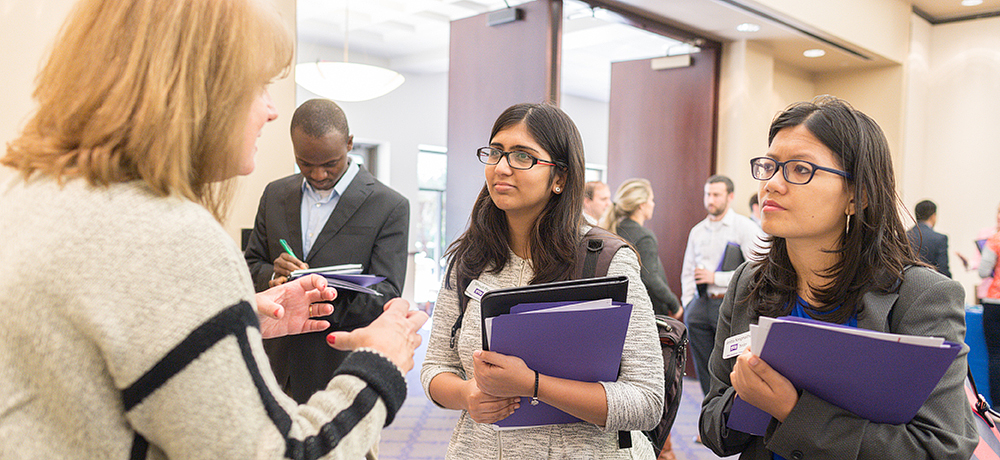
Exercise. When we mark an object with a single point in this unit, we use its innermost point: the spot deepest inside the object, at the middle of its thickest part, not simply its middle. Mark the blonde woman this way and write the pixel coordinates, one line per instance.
(633, 205)
(135, 333)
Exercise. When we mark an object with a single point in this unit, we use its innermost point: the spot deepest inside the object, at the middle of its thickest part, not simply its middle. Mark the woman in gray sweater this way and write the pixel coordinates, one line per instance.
(525, 229)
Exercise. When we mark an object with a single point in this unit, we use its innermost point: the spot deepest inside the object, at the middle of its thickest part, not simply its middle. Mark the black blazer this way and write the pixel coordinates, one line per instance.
(931, 246)
(644, 241)
(369, 226)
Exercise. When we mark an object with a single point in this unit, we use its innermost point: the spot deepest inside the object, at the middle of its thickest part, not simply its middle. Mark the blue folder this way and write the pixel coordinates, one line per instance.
(879, 380)
(577, 345)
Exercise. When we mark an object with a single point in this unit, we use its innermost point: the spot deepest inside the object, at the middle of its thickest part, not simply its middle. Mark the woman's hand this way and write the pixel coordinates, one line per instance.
(287, 309)
(502, 375)
(760, 385)
(485, 408)
(393, 333)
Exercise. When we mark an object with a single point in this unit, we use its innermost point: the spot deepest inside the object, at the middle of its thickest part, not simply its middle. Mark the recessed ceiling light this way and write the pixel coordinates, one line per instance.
(747, 27)
(971, 2)
(813, 53)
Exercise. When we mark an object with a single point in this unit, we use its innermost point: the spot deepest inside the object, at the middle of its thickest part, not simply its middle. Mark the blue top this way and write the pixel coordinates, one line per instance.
(799, 311)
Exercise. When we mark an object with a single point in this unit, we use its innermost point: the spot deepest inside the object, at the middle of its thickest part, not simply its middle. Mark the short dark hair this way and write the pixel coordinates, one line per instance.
(725, 180)
(754, 200)
(924, 210)
(318, 117)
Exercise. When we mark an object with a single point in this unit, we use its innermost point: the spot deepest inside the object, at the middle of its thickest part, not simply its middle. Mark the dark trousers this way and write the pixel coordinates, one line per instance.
(701, 315)
(991, 329)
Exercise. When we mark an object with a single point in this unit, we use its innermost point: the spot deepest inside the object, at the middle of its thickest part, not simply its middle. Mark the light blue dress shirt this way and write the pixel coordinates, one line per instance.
(316, 209)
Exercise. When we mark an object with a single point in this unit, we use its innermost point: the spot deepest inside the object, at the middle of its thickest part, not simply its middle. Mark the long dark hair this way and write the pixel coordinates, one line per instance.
(555, 236)
(875, 250)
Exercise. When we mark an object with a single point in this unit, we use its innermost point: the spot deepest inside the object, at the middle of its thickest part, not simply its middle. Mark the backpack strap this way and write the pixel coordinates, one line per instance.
(595, 252)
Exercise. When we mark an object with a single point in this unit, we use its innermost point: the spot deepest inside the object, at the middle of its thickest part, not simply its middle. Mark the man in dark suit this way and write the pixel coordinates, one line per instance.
(932, 246)
(334, 212)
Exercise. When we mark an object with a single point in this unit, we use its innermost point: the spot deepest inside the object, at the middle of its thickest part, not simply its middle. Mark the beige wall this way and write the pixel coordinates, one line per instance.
(961, 120)
(790, 85)
(29, 28)
(852, 21)
(274, 148)
(876, 92)
(747, 76)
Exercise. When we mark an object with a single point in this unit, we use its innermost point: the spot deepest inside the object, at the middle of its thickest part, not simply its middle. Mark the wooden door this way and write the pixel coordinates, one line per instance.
(490, 69)
(663, 128)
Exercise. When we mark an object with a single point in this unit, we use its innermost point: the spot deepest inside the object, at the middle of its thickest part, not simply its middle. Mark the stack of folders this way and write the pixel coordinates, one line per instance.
(571, 340)
(882, 377)
(344, 277)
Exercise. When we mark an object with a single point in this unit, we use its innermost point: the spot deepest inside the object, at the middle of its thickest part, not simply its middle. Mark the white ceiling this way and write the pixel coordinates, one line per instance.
(411, 36)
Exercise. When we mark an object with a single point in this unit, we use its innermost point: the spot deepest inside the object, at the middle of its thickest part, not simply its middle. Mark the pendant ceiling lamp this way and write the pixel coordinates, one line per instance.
(346, 81)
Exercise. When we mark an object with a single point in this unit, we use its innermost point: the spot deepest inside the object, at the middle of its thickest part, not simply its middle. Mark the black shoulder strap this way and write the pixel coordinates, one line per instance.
(593, 261)
(597, 248)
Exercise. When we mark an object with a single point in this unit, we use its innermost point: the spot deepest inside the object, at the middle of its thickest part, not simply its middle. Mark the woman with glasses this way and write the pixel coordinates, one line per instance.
(526, 227)
(838, 253)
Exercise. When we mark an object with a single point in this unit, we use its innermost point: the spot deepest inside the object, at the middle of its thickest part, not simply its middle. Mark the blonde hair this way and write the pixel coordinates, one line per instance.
(153, 90)
(629, 196)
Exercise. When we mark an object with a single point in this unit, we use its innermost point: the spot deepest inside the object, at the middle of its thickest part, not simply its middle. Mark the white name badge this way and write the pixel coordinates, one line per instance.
(476, 290)
(736, 345)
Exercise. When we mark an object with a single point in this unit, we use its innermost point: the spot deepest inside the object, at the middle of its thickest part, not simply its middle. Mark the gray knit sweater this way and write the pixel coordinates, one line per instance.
(635, 400)
(130, 331)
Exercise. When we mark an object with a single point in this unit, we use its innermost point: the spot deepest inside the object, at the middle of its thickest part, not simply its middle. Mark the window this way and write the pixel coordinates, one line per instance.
(432, 173)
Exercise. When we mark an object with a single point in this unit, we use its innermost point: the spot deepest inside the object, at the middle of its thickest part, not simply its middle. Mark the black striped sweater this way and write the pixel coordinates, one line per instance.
(130, 332)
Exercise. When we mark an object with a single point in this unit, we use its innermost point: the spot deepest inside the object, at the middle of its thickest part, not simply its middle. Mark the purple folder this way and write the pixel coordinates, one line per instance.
(358, 283)
(578, 345)
(879, 380)
(361, 280)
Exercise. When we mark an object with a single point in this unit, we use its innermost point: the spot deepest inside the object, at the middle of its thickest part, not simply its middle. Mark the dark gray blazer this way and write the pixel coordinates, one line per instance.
(644, 241)
(369, 226)
(932, 246)
(926, 303)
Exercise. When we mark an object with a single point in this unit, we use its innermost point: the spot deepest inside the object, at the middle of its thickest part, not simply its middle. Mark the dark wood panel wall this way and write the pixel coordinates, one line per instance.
(492, 68)
(663, 128)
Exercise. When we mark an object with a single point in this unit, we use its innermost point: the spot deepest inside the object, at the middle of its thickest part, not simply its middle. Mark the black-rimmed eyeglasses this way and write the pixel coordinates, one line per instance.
(798, 172)
(516, 160)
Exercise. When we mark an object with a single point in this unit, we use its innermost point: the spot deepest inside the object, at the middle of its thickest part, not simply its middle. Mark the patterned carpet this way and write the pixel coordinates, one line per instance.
(422, 430)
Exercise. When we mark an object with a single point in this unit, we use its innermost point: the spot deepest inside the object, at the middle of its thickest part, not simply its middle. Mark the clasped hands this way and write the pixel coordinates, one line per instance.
(762, 386)
(495, 391)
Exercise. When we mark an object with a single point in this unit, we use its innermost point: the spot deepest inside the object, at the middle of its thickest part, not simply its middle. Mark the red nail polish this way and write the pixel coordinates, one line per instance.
(331, 339)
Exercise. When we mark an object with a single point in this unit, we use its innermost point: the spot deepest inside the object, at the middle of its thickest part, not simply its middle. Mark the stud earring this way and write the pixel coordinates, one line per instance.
(558, 189)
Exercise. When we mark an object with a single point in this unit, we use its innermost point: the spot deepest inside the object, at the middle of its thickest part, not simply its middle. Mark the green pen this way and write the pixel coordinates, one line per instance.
(288, 248)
